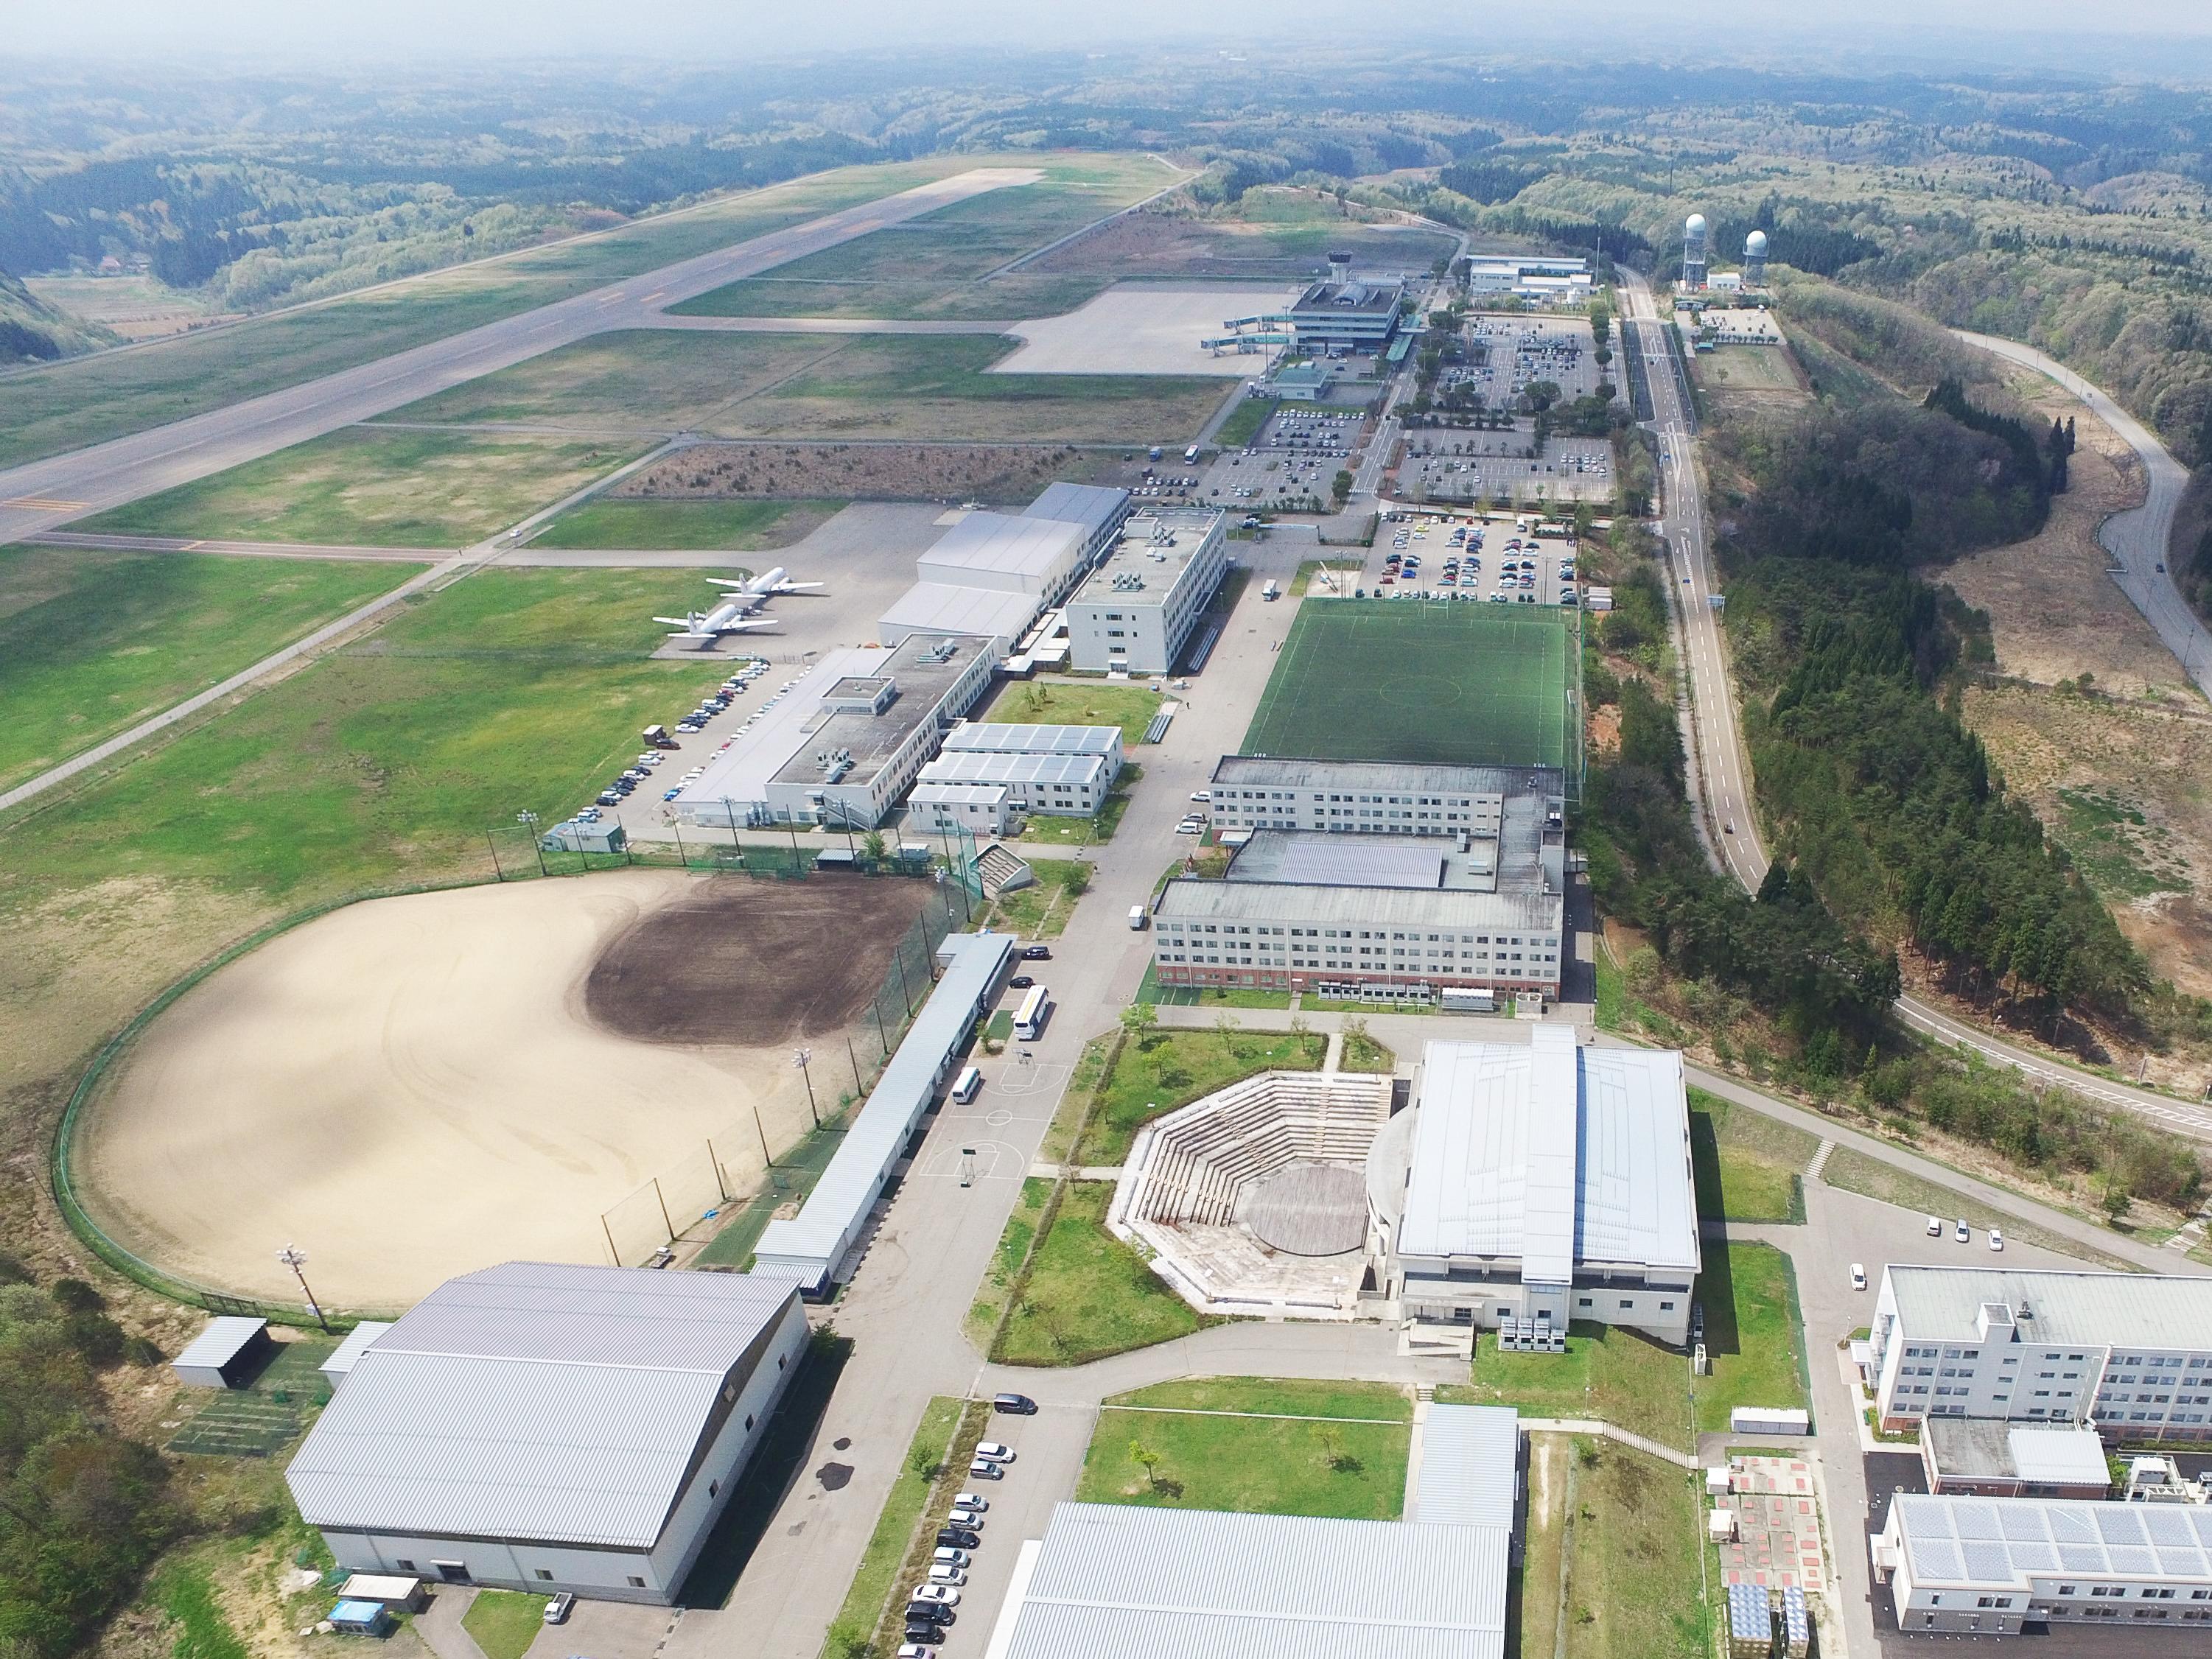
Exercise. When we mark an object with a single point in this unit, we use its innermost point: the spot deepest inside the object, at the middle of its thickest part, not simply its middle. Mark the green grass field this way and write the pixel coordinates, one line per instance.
(1457, 685)
(1634, 1589)
(929, 267)
(823, 386)
(92, 642)
(367, 487)
(385, 761)
(1257, 1464)
(68, 404)
(1752, 1336)
(505, 1622)
(727, 526)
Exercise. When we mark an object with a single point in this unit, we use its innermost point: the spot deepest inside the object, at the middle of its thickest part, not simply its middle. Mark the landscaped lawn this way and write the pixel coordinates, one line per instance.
(1276, 1397)
(1752, 1337)
(1087, 1294)
(1077, 703)
(1261, 1465)
(734, 526)
(1748, 1164)
(1163, 1070)
(370, 486)
(92, 642)
(1041, 910)
(1633, 1585)
(505, 1622)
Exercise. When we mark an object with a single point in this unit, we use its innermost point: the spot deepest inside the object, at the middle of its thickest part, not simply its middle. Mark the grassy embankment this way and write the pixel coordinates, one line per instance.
(91, 642)
(686, 526)
(1609, 1566)
(1612, 1373)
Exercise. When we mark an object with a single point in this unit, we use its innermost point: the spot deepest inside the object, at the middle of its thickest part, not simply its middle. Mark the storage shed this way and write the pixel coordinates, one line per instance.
(228, 1354)
(348, 1352)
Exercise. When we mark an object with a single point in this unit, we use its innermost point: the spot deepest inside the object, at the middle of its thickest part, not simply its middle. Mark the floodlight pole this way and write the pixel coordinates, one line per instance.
(294, 1257)
(800, 1058)
(529, 822)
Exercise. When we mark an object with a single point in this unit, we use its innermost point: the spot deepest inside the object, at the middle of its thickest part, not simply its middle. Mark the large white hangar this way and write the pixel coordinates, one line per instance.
(543, 1427)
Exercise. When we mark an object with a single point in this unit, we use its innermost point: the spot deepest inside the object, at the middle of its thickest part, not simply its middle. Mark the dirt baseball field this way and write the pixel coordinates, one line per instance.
(413, 1087)
(759, 964)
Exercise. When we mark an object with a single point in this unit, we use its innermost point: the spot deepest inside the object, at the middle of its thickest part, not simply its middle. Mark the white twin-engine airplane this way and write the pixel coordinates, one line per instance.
(734, 614)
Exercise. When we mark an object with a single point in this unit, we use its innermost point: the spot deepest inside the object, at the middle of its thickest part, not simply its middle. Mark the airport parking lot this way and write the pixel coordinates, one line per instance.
(1291, 460)
(1457, 463)
(1417, 557)
(1514, 352)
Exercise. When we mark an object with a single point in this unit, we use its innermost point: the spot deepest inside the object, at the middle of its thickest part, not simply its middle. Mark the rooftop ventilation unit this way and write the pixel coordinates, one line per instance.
(835, 764)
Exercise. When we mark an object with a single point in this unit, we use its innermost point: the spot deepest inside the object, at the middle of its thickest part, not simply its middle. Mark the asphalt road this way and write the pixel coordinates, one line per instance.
(43, 494)
(1721, 792)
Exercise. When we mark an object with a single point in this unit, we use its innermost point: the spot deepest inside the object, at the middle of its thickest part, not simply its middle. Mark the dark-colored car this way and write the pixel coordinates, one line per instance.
(1015, 1405)
(958, 1538)
(929, 1613)
(1021, 982)
(917, 1630)
(1037, 953)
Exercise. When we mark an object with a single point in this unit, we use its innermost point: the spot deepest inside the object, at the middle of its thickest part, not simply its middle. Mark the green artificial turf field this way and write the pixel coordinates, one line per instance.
(1391, 680)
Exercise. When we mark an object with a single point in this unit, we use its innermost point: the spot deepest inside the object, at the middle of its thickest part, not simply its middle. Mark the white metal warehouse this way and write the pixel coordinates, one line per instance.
(813, 1246)
(546, 1426)
(1112, 1578)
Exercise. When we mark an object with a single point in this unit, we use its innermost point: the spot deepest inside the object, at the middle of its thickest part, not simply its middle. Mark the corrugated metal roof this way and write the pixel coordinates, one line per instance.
(1007, 545)
(997, 737)
(2071, 1457)
(948, 608)
(533, 1400)
(1205, 1584)
(1495, 1121)
(348, 1353)
(826, 1224)
(929, 791)
(984, 766)
(1094, 508)
(220, 1340)
(2146, 1310)
(1999, 1543)
(1470, 1473)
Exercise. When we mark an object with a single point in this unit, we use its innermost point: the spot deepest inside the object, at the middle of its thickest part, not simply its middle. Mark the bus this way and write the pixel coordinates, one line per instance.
(1190, 456)
(1030, 1017)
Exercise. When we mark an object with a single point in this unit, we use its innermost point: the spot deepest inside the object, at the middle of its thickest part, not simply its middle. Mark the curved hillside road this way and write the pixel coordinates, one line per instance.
(1721, 780)
(2137, 538)
(41, 494)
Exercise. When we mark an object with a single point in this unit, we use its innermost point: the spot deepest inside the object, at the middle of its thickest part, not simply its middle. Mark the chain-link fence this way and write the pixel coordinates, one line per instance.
(692, 1198)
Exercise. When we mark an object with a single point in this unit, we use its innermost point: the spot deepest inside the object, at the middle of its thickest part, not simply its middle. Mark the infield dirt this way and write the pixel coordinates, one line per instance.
(411, 1088)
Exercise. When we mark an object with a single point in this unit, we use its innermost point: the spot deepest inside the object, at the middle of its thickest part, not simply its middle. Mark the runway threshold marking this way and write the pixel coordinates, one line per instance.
(47, 504)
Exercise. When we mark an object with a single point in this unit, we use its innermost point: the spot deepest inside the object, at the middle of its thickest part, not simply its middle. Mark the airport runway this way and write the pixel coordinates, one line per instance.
(243, 550)
(42, 495)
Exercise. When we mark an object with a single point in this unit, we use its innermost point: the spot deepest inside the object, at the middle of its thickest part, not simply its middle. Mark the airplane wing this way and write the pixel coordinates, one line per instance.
(799, 587)
(740, 583)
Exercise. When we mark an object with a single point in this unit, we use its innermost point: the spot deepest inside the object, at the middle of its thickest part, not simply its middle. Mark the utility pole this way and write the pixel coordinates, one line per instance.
(799, 1057)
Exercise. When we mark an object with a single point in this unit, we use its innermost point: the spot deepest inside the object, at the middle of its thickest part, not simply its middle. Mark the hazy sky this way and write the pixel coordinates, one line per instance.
(700, 31)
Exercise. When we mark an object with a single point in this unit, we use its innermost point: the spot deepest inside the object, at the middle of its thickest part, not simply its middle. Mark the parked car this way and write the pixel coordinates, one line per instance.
(951, 1577)
(1021, 981)
(558, 1609)
(1997, 1238)
(1037, 953)
(1858, 1275)
(1965, 1234)
(943, 1556)
(922, 1637)
(966, 1519)
(958, 1538)
(983, 1469)
(995, 1451)
(1015, 1404)
(1934, 1227)
(1203, 797)
(917, 1651)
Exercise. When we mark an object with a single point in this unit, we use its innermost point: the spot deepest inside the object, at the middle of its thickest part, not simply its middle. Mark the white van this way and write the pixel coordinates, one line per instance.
(968, 1084)
(1136, 918)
